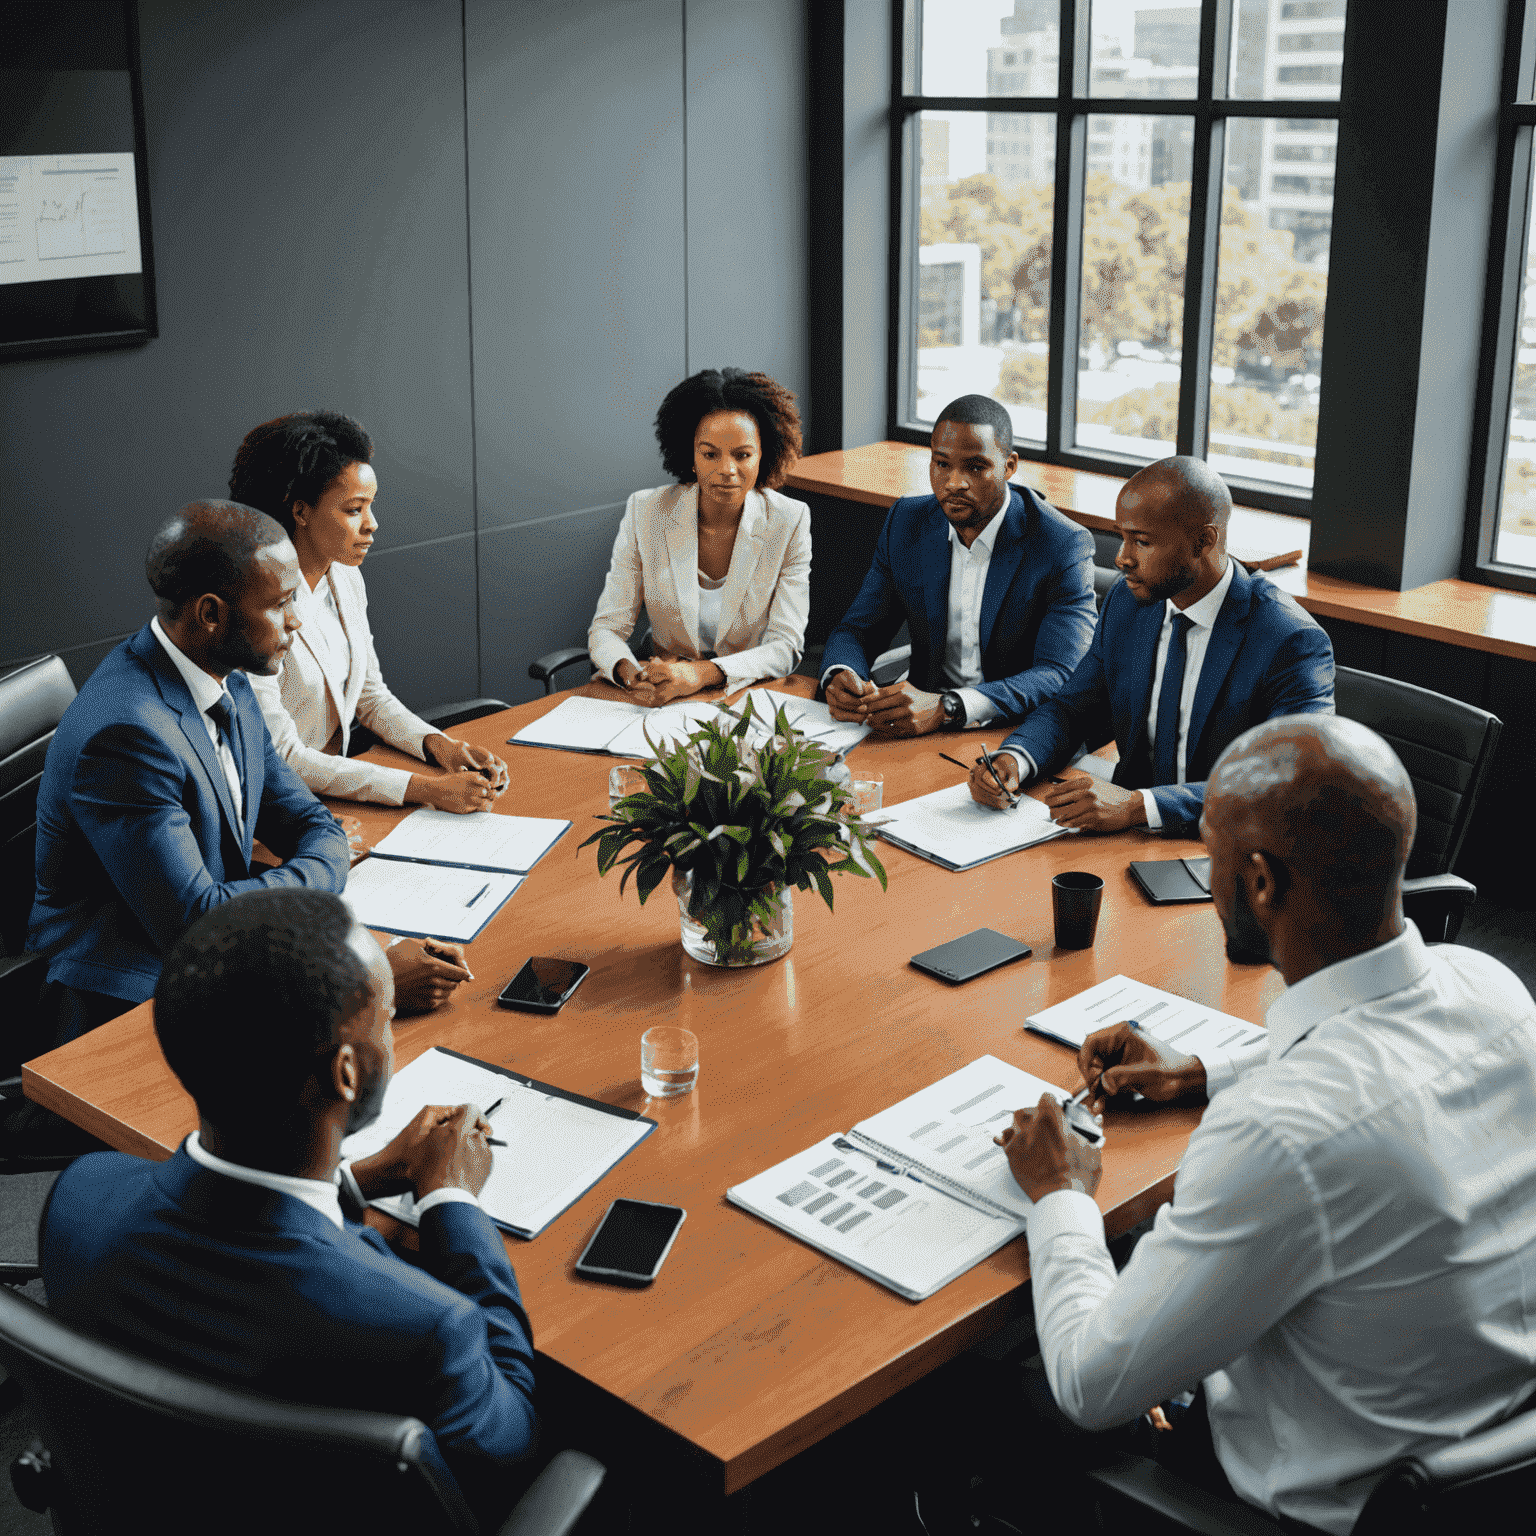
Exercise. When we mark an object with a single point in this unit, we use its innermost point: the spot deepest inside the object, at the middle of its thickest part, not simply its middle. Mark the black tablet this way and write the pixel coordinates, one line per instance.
(973, 954)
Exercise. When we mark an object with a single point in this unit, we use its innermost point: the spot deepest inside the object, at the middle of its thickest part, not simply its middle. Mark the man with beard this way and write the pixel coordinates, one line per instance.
(1189, 652)
(243, 1258)
(162, 776)
(994, 585)
(1345, 1270)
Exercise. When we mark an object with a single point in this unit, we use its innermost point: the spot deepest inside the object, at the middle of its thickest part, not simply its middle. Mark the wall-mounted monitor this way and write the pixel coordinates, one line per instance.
(75, 261)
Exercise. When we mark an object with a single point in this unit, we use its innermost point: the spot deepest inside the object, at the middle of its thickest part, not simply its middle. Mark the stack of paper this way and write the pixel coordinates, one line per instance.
(1187, 1027)
(915, 1195)
(811, 718)
(426, 901)
(609, 725)
(558, 1143)
(953, 830)
(478, 840)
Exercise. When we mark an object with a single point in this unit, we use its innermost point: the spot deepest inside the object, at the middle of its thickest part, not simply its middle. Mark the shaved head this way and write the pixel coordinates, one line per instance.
(208, 546)
(1187, 489)
(1328, 806)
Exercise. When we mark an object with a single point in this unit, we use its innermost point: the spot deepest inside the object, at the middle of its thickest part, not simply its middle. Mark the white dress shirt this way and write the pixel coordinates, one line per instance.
(315, 1193)
(206, 691)
(1349, 1262)
(711, 595)
(962, 631)
(1202, 619)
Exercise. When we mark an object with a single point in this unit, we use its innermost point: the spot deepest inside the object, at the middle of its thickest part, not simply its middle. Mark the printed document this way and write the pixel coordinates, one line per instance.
(426, 901)
(476, 840)
(1187, 1027)
(949, 828)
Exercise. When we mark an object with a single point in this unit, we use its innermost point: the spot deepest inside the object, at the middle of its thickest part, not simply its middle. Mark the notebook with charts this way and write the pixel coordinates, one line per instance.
(612, 726)
(559, 1144)
(478, 840)
(951, 829)
(915, 1195)
(426, 901)
(1186, 1026)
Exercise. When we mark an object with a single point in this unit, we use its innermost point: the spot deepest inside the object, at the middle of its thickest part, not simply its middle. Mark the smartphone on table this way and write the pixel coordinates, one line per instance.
(543, 984)
(631, 1242)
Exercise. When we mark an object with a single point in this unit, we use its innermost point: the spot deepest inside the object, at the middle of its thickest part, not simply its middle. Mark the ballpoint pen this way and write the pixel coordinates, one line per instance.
(493, 1141)
(438, 954)
(997, 779)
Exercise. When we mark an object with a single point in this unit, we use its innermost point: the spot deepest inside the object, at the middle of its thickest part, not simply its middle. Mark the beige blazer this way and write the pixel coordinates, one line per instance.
(763, 605)
(294, 706)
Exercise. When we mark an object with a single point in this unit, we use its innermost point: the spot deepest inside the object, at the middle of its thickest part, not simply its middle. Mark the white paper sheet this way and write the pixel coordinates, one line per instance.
(952, 829)
(1187, 1027)
(580, 725)
(555, 1151)
(426, 900)
(808, 716)
(477, 840)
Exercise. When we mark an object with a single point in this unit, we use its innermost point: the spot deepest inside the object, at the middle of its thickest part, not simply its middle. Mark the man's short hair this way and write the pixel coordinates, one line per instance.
(250, 995)
(208, 546)
(982, 411)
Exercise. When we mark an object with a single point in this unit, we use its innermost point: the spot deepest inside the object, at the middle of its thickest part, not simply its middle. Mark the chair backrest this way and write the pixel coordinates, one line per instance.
(1445, 745)
(1105, 573)
(133, 1440)
(33, 699)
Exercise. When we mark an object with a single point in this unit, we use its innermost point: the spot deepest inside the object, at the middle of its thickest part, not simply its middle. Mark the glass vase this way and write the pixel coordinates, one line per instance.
(755, 942)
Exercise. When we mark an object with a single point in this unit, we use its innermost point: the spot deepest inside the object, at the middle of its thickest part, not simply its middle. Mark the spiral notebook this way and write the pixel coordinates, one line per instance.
(916, 1195)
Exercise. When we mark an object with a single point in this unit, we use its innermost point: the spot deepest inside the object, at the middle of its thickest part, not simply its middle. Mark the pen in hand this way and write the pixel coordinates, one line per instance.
(438, 954)
(997, 778)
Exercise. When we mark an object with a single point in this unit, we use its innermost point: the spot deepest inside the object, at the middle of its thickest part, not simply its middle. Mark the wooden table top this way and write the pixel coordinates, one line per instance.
(1454, 612)
(751, 1345)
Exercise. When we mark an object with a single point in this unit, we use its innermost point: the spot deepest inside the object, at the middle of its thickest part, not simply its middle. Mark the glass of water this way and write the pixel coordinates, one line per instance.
(669, 1061)
(624, 780)
(868, 788)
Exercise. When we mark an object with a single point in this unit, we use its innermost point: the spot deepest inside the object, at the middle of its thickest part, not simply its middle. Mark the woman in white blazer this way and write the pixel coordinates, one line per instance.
(311, 472)
(721, 560)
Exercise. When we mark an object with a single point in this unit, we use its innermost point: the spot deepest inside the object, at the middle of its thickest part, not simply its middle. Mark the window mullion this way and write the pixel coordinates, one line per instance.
(1066, 280)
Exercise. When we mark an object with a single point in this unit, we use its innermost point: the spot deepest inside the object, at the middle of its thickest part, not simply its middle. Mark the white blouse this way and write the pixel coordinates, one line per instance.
(711, 592)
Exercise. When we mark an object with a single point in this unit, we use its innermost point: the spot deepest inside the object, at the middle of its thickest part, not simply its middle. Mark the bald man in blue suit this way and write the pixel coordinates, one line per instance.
(1189, 652)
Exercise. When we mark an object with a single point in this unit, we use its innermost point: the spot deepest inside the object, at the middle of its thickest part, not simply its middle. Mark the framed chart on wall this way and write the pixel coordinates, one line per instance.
(76, 267)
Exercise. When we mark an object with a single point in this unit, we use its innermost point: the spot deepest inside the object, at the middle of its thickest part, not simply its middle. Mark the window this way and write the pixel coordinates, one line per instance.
(1128, 240)
(1504, 525)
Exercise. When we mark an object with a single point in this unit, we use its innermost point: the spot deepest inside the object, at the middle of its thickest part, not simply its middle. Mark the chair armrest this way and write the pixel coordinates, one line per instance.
(1437, 903)
(891, 666)
(543, 670)
(445, 716)
(557, 1497)
(18, 1274)
(1141, 1482)
(21, 983)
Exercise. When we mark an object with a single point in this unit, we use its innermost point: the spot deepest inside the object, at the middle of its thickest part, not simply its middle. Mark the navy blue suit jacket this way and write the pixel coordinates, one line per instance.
(1037, 607)
(136, 829)
(1266, 657)
(260, 1291)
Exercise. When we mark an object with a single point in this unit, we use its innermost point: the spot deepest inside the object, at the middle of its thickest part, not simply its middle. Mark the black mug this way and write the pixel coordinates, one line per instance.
(1075, 898)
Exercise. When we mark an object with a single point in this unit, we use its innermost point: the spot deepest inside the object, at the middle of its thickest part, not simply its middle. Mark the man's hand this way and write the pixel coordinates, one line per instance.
(425, 980)
(984, 788)
(451, 753)
(1094, 805)
(1045, 1154)
(848, 697)
(1123, 1060)
(902, 710)
(442, 1148)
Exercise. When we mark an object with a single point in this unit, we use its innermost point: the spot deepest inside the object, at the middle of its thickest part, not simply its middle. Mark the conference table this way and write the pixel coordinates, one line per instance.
(751, 1346)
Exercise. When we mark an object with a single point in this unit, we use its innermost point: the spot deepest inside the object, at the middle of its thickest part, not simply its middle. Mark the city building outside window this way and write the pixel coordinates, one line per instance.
(1166, 171)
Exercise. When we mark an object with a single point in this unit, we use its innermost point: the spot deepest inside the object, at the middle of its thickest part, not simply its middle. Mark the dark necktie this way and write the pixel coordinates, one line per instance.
(1165, 757)
(222, 715)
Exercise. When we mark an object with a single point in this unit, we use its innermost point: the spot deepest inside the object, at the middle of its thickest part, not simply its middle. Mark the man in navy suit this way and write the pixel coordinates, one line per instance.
(244, 1258)
(162, 773)
(995, 586)
(1190, 651)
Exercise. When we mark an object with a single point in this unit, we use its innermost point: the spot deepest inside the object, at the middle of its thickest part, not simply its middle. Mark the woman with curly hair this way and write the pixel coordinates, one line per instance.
(311, 471)
(721, 560)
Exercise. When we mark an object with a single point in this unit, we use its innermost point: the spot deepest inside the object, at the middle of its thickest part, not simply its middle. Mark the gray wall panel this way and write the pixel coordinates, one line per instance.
(421, 605)
(576, 192)
(307, 186)
(539, 584)
(747, 202)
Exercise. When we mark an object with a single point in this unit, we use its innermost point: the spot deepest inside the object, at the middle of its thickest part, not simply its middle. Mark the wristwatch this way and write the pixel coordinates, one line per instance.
(953, 706)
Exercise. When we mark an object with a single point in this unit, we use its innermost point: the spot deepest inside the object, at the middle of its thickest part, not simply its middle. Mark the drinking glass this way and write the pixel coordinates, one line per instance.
(669, 1061)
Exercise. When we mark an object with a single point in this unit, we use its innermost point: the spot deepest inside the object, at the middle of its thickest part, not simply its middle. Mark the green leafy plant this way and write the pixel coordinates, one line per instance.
(743, 816)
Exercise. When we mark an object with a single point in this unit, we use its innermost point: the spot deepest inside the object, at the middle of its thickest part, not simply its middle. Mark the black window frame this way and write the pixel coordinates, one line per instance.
(1072, 106)
(1508, 247)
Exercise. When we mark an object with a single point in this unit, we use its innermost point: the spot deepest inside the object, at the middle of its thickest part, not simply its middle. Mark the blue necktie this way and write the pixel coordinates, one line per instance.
(223, 716)
(1165, 759)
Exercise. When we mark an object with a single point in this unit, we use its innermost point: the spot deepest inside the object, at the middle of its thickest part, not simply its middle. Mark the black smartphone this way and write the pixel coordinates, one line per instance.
(543, 984)
(973, 954)
(631, 1242)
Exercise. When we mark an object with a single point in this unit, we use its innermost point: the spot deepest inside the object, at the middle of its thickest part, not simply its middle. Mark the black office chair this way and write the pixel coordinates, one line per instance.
(446, 716)
(124, 1439)
(1479, 1479)
(547, 666)
(1446, 746)
(33, 699)
(1105, 547)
